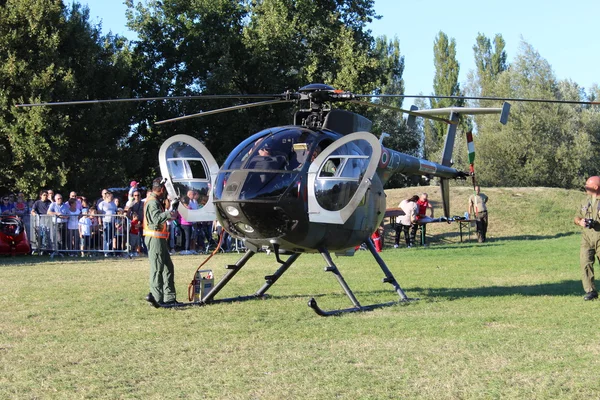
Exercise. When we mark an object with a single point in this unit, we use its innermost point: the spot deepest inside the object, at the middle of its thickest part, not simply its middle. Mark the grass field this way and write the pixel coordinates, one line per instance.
(504, 319)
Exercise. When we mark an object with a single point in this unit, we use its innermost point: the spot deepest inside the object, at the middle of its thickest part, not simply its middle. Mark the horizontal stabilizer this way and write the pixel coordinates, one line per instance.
(462, 110)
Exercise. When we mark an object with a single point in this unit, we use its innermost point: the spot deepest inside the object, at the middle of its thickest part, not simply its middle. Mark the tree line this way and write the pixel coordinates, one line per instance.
(50, 51)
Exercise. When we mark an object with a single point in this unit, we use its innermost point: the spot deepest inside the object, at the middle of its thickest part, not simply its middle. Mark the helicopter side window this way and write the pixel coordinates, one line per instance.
(187, 168)
(340, 175)
(330, 168)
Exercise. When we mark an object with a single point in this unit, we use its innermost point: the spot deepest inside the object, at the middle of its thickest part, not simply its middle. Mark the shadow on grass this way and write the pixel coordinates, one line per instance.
(563, 288)
(496, 241)
(537, 237)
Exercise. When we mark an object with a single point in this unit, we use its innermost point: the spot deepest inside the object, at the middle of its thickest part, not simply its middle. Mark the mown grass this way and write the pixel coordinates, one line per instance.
(504, 319)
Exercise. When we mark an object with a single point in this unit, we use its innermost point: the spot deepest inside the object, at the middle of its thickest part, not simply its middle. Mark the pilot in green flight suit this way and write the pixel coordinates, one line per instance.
(156, 236)
(588, 218)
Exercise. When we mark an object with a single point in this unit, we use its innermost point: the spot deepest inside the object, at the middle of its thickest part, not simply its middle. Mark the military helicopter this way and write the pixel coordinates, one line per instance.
(315, 186)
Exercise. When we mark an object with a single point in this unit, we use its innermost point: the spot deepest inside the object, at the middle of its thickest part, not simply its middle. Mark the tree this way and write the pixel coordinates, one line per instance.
(49, 52)
(445, 83)
(268, 46)
(489, 61)
(543, 144)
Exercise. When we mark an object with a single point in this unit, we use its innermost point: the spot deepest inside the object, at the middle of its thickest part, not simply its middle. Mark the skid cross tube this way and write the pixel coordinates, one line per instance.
(389, 278)
(232, 270)
(271, 279)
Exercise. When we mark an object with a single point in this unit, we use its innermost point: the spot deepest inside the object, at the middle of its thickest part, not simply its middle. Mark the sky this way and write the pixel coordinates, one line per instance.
(563, 32)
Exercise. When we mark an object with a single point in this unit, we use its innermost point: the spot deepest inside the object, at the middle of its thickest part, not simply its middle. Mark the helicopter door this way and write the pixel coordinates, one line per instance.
(188, 165)
(340, 176)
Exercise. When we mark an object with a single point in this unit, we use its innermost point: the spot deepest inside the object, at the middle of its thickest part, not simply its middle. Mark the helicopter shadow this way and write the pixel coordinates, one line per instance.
(562, 288)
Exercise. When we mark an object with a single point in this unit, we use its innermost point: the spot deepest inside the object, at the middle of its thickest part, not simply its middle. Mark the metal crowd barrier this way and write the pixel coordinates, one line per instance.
(57, 235)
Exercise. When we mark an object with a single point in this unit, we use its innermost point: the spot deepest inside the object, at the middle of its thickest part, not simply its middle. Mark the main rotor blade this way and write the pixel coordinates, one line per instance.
(226, 109)
(479, 98)
(138, 99)
(416, 114)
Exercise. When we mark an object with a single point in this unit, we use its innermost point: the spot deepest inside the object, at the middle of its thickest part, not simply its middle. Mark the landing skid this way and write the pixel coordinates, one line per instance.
(389, 278)
(233, 269)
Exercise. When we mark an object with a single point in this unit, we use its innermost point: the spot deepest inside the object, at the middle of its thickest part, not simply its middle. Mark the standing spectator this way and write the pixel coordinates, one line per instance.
(59, 210)
(133, 186)
(134, 234)
(51, 195)
(225, 239)
(193, 205)
(21, 208)
(85, 232)
(95, 229)
(186, 227)
(121, 229)
(423, 204)
(78, 205)
(22, 211)
(40, 207)
(73, 226)
(7, 208)
(108, 208)
(102, 197)
(478, 209)
(137, 206)
(407, 221)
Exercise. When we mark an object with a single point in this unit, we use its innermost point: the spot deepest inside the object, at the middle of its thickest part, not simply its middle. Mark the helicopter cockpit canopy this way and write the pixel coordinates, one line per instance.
(266, 165)
(273, 164)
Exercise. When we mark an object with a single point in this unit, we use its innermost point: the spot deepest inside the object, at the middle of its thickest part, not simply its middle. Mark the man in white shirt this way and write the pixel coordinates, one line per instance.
(407, 222)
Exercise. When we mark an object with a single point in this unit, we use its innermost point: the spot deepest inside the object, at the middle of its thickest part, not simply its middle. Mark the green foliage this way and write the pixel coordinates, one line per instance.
(489, 61)
(445, 83)
(543, 144)
(49, 52)
(265, 46)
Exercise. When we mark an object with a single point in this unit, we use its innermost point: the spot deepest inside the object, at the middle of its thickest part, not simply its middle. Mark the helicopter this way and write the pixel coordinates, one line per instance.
(315, 186)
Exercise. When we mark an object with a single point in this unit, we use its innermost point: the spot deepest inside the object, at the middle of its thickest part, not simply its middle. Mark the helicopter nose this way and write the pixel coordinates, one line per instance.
(256, 220)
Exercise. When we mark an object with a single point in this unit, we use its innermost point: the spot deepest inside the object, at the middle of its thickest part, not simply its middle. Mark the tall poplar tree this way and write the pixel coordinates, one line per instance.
(490, 61)
(445, 83)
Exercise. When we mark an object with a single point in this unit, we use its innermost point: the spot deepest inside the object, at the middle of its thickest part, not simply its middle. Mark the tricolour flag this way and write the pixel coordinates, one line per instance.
(471, 147)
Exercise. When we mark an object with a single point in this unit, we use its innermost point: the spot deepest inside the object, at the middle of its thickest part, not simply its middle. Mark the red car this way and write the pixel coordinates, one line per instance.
(13, 238)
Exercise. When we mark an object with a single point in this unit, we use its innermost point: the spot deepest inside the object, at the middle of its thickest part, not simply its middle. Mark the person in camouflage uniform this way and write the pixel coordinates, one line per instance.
(588, 217)
(156, 236)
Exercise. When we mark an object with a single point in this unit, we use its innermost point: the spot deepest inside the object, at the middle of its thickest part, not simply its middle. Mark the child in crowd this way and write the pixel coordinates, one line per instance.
(21, 208)
(120, 223)
(72, 226)
(85, 231)
(96, 236)
(134, 234)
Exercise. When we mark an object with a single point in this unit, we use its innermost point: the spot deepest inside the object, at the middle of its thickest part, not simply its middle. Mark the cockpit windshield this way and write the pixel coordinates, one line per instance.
(266, 165)
(284, 150)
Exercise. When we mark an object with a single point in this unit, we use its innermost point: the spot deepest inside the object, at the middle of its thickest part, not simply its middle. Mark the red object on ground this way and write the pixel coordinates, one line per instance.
(13, 238)
(376, 236)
